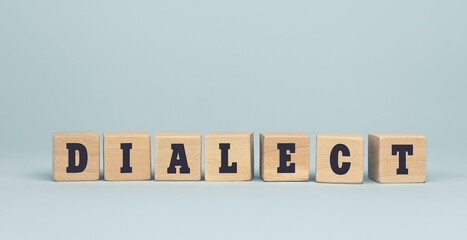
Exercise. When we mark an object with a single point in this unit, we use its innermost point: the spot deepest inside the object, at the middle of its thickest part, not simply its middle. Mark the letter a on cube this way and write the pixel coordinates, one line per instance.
(178, 156)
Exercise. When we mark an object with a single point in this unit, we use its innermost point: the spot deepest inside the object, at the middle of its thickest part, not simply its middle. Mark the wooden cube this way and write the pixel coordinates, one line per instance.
(397, 157)
(228, 156)
(76, 156)
(178, 156)
(339, 158)
(127, 156)
(285, 156)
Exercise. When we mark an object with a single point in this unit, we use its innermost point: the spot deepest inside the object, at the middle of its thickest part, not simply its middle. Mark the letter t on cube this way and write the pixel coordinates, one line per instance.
(397, 157)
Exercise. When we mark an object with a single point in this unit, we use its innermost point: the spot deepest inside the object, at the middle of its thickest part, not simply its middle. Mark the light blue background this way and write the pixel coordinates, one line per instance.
(310, 66)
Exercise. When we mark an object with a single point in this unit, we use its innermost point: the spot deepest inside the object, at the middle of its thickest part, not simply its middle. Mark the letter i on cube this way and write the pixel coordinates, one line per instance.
(127, 156)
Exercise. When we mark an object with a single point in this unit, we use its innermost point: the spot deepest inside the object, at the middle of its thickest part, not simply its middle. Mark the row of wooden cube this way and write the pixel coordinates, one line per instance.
(393, 157)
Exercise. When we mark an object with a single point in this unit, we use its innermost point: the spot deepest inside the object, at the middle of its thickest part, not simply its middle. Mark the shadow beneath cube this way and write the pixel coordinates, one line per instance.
(41, 176)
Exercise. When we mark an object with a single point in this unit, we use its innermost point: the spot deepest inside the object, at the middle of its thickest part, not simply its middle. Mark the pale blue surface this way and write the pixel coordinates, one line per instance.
(311, 66)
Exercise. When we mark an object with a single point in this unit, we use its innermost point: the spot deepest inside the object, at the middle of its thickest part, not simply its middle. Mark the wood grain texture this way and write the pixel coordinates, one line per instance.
(240, 152)
(60, 161)
(163, 155)
(382, 165)
(269, 156)
(325, 142)
(140, 155)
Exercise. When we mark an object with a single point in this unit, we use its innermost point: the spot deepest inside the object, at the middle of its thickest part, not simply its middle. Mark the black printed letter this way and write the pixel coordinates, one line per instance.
(83, 157)
(402, 149)
(126, 158)
(225, 168)
(334, 159)
(284, 157)
(178, 150)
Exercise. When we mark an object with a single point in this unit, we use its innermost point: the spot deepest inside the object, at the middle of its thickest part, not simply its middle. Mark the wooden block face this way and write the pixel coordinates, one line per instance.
(236, 149)
(285, 156)
(127, 156)
(397, 157)
(339, 158)
(81, 149)
(178, 156)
